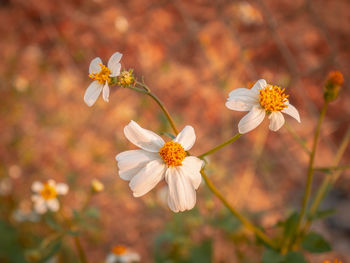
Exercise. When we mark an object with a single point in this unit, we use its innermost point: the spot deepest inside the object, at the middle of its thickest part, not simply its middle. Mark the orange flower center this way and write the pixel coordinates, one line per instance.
(48, 192)
(102, 76)
(172, 153)
(119, 250)
(272, 98)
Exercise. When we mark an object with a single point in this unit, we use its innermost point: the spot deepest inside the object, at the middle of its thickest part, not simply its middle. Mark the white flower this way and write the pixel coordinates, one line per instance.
(260, 100)
(102, 77)
(45, 195)
(121, 254)
(145, 167)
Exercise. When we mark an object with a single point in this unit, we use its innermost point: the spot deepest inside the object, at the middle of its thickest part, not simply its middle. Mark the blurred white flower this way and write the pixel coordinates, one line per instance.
(5, 186)
(121, 254)
(260, 100)
(15, 171)
(248, 14)
(156, 160)
(24, 213)
(101, 76)
(45, 195)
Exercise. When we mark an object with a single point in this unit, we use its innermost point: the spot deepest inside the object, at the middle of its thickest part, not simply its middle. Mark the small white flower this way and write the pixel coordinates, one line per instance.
(121, 254)
(45, 195)
(260, 100)
(156, 159)
(102, 77)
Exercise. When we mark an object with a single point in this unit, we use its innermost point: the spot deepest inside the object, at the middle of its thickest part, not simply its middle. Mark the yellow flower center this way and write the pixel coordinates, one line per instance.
(272, 98)
(119, 250)
(172, 153)
(48, 192)
(102, 76)
(126, 78)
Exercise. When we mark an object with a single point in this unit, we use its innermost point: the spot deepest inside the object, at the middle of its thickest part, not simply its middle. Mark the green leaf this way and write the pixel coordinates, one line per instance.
(315, 243)
(322, 214)
(295, 257)
(50, 221)
(92, 212)
(202, 253)
(272, 256)
(291, 224)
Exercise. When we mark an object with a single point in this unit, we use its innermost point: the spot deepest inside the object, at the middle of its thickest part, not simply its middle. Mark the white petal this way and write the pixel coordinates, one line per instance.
(114, 65)
(186, 137)
(37, 186)
(37, 198)
(251, 120)
(92, 93)
(147, 178)
(95, 65)
(292, 111)
(143, 138)
(133, 257)
(192, 166)
(131, 162)
(182, 195)
(40, 206)
(111, 258)
(276, 121)
(242, 99)
(52, 183)
(105, 92)
(53, 204)
(62, 189)
(260, 84)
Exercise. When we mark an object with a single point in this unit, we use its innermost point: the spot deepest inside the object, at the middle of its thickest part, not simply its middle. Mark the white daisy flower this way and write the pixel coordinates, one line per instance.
(262, 99)
(102, 77)
(45, 195)
(156, 159)
(121, 254)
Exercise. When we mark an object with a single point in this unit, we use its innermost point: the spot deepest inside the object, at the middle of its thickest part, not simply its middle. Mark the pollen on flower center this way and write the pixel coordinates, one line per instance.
(48, 192)
(102, 76)
(172, 153)
(119, 250)
(272, 98)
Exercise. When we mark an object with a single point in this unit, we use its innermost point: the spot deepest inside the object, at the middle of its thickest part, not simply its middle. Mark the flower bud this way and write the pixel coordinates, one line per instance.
(126, 78)
(333, 84)
(97, 186)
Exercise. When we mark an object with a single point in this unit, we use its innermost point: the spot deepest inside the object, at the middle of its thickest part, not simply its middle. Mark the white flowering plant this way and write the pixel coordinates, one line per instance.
(170, 162)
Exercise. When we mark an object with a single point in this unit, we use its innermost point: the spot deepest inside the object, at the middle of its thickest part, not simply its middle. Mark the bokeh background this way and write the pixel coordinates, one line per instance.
(191, 54)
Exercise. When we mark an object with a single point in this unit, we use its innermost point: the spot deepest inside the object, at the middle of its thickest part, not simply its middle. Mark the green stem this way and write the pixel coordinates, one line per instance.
(310, 168)
(332, 168)
(241, 218)
(328, 181)
(297, 138)
(147, 91)
(231, 140)
(80, 249)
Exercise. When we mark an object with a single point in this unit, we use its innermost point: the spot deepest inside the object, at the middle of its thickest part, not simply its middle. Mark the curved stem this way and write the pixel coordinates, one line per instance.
(231, 140)
(80, 249)
(147, 91)
(311, 169)
(241, 218)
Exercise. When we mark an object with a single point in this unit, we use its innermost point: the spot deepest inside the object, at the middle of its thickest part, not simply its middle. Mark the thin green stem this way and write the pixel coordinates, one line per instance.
(147, 91)
(241, 218)
(80, 249)
(222, 145)
(297, 138)
(310, 168)
(328, 181)
(332, 168)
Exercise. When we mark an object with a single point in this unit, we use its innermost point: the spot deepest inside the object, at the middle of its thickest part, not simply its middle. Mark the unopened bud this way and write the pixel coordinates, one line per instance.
(97, 186)
(333, 84)
(33, 256)
(126, 78)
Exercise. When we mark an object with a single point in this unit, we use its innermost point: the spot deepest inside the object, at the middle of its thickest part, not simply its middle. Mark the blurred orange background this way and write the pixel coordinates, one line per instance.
(191, 54)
